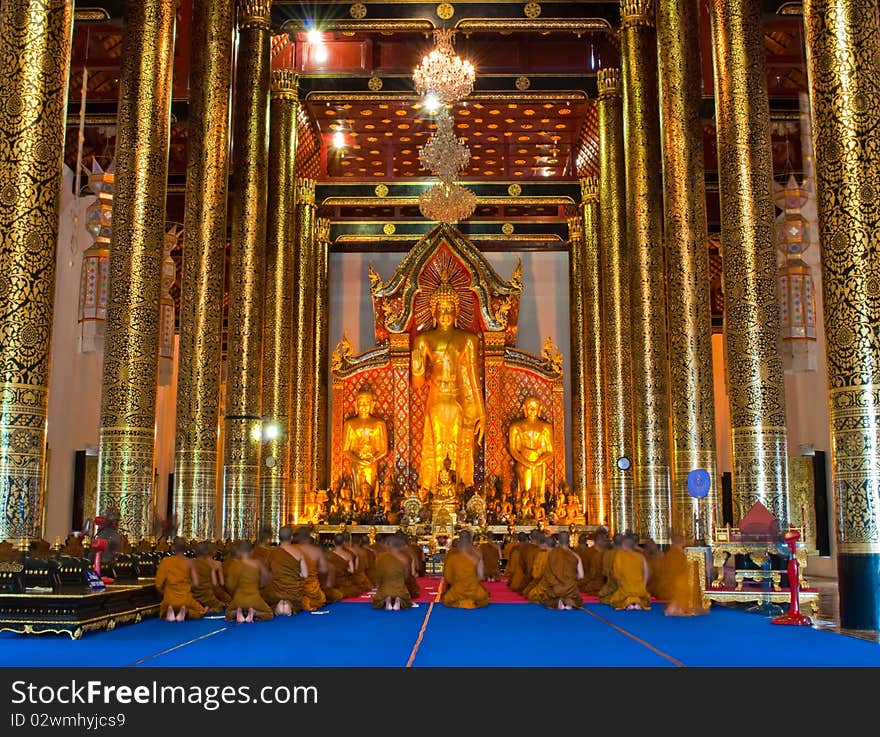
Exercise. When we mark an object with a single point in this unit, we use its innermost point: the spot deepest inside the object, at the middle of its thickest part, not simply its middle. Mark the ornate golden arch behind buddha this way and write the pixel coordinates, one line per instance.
(445, 263)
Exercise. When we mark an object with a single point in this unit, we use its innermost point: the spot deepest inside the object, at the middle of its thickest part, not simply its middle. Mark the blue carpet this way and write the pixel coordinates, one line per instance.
(526, 635)
(733, 638)
(348, 635)
(123, 646)
(511, 635)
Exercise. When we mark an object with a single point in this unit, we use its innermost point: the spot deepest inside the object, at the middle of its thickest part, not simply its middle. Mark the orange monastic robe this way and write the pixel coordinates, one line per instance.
(391, 573)
(559, 579)
(244, 582)
(629, 572)
(174, 582)
(205, 593)
(286, 583)
(464, 589)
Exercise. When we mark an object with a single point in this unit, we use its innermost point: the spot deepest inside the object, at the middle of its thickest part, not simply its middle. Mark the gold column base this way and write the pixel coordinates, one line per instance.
(195, 474)
(125, 478)
(760, 471)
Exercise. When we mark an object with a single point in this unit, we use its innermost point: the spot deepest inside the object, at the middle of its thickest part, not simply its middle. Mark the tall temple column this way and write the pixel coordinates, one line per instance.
(34, 61)
(745, 167)
(844, 74)
(204, 251)
(617, 330)
(302, 358)
(321, 361)
(593, 387)
(278, 332)
(579, 376)
(687, 265)
(644, 220)
(128, 399)
(250, 135)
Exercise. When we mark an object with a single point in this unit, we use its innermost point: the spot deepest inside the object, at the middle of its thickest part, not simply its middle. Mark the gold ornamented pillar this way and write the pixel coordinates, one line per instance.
(687, 266)
(617, 330)
(302, 356)
(35, 61)
(844, 69)
(204, 248)
(579, 376)
(250, 135)
(754, 365)
(321, 361)
(128, 399)
(278, 332)
(644, 220)
(597, 505)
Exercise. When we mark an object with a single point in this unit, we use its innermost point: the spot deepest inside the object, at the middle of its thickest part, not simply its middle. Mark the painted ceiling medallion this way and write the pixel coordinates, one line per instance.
(445, 11)
(532, 10)
(358, 11)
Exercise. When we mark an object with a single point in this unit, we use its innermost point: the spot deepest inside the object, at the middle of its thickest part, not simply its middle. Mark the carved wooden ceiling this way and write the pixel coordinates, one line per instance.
(531, 120)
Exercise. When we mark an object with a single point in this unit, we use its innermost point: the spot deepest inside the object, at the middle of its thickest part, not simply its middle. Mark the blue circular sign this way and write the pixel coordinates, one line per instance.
(698, 483)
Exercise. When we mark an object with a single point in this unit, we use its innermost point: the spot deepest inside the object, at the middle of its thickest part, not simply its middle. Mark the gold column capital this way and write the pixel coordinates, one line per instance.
(636, 13)
(610, 82)
(254, 14)
(283, 84)
(575, 229)
(589, 189)
(304, 191)
(322, 229)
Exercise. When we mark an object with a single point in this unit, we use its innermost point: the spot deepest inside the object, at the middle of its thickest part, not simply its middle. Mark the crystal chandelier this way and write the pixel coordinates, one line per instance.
(447, 202)
(444, 73)
(444, 154)
(450, 79)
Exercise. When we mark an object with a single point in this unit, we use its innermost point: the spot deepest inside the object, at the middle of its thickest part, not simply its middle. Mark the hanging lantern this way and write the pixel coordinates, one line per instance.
(166, 305)
(797, 300)
(95, 271)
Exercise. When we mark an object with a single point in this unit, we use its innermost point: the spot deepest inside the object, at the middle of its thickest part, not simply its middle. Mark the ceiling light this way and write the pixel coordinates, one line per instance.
(338, 140)
(314, 36)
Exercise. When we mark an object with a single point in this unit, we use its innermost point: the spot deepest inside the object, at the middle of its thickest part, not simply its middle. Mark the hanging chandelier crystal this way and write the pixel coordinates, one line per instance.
(444, 154)
(447, 202)
(444, 73)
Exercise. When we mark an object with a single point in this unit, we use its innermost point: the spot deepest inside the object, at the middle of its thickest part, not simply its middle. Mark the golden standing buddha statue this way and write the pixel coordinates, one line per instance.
(530, 442)
(365, 443)
(446, 357)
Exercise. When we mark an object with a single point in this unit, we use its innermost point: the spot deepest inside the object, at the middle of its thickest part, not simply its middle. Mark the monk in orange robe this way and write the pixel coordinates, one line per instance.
(313, 595)
(536, 588)
(264, 545)
(608, 556)
(175, 579)
(491, 555)
(594, 577)
(246, 577)
(362, 558)
(528, 552)
(630, 571)
(287, 566)
(515, 570)
(682, 579)
(343, 563)
(462, 570)
(559, 580)
(392, 568)
(210, 577)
